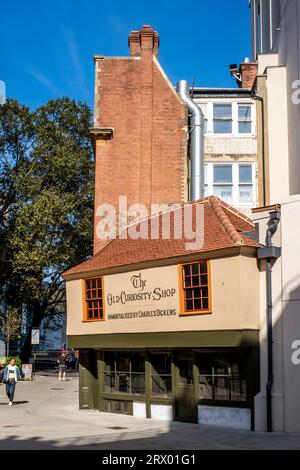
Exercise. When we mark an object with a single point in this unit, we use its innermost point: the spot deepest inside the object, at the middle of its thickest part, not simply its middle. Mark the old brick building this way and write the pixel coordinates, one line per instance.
(140, 129)
(164, 330)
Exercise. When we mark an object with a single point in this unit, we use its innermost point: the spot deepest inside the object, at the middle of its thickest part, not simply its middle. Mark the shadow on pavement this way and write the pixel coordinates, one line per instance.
(174, 439)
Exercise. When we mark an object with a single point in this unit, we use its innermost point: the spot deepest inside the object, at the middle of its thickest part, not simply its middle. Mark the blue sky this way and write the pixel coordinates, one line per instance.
(47, 46)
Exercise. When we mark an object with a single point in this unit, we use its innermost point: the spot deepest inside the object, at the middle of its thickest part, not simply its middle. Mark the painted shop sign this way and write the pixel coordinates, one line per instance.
(151, 293)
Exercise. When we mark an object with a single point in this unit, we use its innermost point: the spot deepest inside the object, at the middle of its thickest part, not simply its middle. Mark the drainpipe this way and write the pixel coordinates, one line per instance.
(263, 143)
(270, 253)
(196, 141)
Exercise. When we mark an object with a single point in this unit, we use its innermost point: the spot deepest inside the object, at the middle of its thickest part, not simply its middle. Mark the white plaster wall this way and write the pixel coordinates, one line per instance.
(139, 410)
(230, 145)
(291, 310)
(278, 134)
(162, 412)
(231, 418)
(286, 323)
(289, 55)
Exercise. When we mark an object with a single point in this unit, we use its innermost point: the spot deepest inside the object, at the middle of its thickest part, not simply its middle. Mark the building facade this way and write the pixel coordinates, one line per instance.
(140, 131)
(230, 145)
(275, 45)
(167, 332)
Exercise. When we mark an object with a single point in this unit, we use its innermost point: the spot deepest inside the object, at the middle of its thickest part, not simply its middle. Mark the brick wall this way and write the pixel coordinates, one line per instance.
(248, 71)
(145, 159)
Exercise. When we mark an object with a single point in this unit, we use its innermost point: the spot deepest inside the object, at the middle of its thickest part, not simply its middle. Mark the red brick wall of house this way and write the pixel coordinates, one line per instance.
(248, 71)
(146, 158)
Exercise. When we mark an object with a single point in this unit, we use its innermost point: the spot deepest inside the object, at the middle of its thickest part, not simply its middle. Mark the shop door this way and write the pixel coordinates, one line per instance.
(185, 397)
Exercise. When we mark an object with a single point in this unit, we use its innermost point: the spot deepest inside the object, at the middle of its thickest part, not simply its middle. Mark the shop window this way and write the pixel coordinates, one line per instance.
(161, 375)
(94, 299)
(221, 379)
(125, 373)
(119, 407)
(196, 288)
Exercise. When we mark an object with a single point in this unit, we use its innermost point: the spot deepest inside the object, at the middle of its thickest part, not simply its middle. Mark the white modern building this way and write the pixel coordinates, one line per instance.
(275, 46)
(230, 145)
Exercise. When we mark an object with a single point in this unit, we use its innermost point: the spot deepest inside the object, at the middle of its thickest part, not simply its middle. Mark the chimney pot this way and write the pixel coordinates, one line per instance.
(144, 42)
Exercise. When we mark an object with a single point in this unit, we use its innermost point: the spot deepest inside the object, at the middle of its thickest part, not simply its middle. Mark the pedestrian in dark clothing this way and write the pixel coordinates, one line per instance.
(76, 355)
(62, 367)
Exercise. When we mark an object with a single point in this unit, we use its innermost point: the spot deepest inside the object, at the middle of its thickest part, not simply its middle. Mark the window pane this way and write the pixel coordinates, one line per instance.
(138, 384)
(245, 112)
(109, 359)
(222, 111)
(123, 362)
(222, 127)
(222, 174)
(245, 173)
(187, 269)
(161, 364)
(244, 127)
(203, 268)
(161, 374)
(221, 388)
(162, 385)
(138, 362)
(238, 389)
(224, 192)
(195, 268)
(205, 388)
(246, 194)
(185, 368)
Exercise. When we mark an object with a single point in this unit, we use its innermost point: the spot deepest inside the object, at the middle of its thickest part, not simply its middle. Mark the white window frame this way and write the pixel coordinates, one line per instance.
(235, 116)
(209, 182)
(228, 103)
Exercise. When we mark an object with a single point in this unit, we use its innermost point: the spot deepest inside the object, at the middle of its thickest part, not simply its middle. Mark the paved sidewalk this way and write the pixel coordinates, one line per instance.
(46, 416)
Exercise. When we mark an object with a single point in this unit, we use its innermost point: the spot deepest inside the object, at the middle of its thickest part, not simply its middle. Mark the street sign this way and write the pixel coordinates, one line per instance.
(27, 371)
(35, 336)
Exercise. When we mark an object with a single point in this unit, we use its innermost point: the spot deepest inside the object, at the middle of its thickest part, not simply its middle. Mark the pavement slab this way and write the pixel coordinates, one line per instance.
(45, 415)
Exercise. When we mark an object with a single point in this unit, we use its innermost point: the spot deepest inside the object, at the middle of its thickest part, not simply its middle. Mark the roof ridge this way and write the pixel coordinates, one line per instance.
(236, 212)
(224, 220)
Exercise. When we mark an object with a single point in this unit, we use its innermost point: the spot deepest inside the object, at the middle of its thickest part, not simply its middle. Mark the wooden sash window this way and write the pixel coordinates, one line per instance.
(94, 299)
(196, 288)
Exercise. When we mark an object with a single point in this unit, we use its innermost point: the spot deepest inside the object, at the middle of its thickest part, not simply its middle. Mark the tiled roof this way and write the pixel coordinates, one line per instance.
(224, 227)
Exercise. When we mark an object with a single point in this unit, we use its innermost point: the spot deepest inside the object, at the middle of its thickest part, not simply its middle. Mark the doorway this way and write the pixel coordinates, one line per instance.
(186, 409)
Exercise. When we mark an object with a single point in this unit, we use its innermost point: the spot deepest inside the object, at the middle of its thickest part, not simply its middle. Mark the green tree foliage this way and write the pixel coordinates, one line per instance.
(12, 326)
(16, 145)
(52, 209)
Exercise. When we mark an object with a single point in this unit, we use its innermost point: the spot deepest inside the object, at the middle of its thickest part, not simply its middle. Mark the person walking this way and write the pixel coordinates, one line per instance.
(11, 377)
(76, 355)
(62, 367)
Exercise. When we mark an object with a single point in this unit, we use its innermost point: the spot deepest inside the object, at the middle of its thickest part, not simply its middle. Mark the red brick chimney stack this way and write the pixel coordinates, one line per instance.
(248, 71)
(144, 42)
